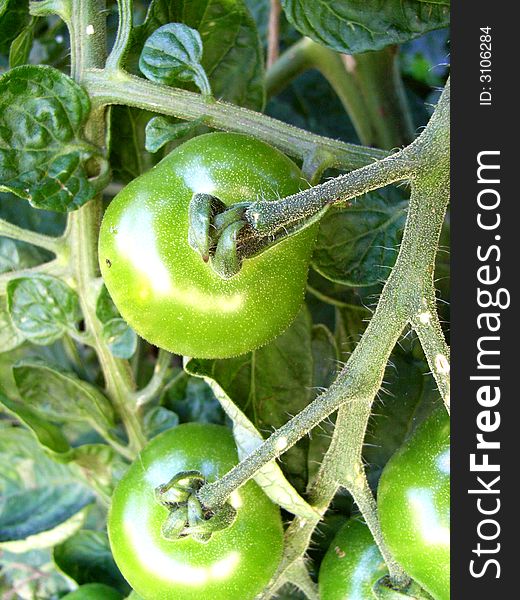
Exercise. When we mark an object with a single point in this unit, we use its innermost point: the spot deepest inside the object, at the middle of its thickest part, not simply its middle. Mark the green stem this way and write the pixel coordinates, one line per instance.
(342, 463)
(378, 79)
(55, 267)
(107, 88)
(305, 55)
(56, 245)
(145, 395)
(401, 299)
(117, 55)
(88, 43)
(267, 218)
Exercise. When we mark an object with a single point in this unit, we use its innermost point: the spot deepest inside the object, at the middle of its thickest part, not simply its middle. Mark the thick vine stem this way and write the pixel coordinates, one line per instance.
(401, 299)
(106, 88)
(267, 218)
(342, 464)
(273, 32)
(88, 35)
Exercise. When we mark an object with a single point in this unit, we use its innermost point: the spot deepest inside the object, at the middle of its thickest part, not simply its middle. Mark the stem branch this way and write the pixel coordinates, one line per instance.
(107, 88)
(56, 245)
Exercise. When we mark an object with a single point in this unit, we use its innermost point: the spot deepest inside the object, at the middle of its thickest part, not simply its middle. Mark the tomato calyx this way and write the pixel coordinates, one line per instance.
(219, 234)
(225, 237)
(187, 516)
(383, 589)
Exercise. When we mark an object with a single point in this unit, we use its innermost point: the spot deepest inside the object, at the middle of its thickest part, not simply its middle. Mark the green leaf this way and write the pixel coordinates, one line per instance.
(42, 308)
(22, 214)
(16, 255)
(159, 419)
(120, 338)
(60, 396)
(98, 462)
(42, 500)
(24, 464)
(192, 400)
(48, 434)
(42, 157)
(358, 245)
(232, 58)
(173, 53)
(14, 15)
(42, 517)
(21, 46)
(86, 558)
(270, 385)
(15, 567)
(160, 131)
(105, 307)
(354, 27)
(10, 338)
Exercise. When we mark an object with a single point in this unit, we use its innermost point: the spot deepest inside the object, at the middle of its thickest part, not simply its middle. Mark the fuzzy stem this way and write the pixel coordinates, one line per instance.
(56, 245)
(401, 299)
(55, 267)
(153, 387)
(107, 88)
(88, 36)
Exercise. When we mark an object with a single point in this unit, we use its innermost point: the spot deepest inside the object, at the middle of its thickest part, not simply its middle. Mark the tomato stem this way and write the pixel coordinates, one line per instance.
(117, 87)
(401, 303)
(87, 29)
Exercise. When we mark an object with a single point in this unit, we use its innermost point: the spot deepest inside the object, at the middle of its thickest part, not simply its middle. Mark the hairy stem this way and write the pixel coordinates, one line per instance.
(56, 245)
(117, 55)
(107, 88)
(88, 41)
(56, 267)
(359, 381)
(377, 78)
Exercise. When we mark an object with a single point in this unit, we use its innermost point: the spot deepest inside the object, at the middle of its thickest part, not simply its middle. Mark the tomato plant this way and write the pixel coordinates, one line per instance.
(235, 563)
(163, 288)
(219, 225)
(414, 505)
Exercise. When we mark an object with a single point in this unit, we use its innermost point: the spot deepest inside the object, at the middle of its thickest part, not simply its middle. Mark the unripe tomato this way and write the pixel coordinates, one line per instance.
(164, 289)
(235, 564)
(414, 505)
(352, 564)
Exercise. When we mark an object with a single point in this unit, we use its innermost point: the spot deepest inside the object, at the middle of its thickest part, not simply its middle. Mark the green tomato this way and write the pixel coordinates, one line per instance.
(94, 591)
(414, 505)
(235, 564)
(164, 289)
(352, 564)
